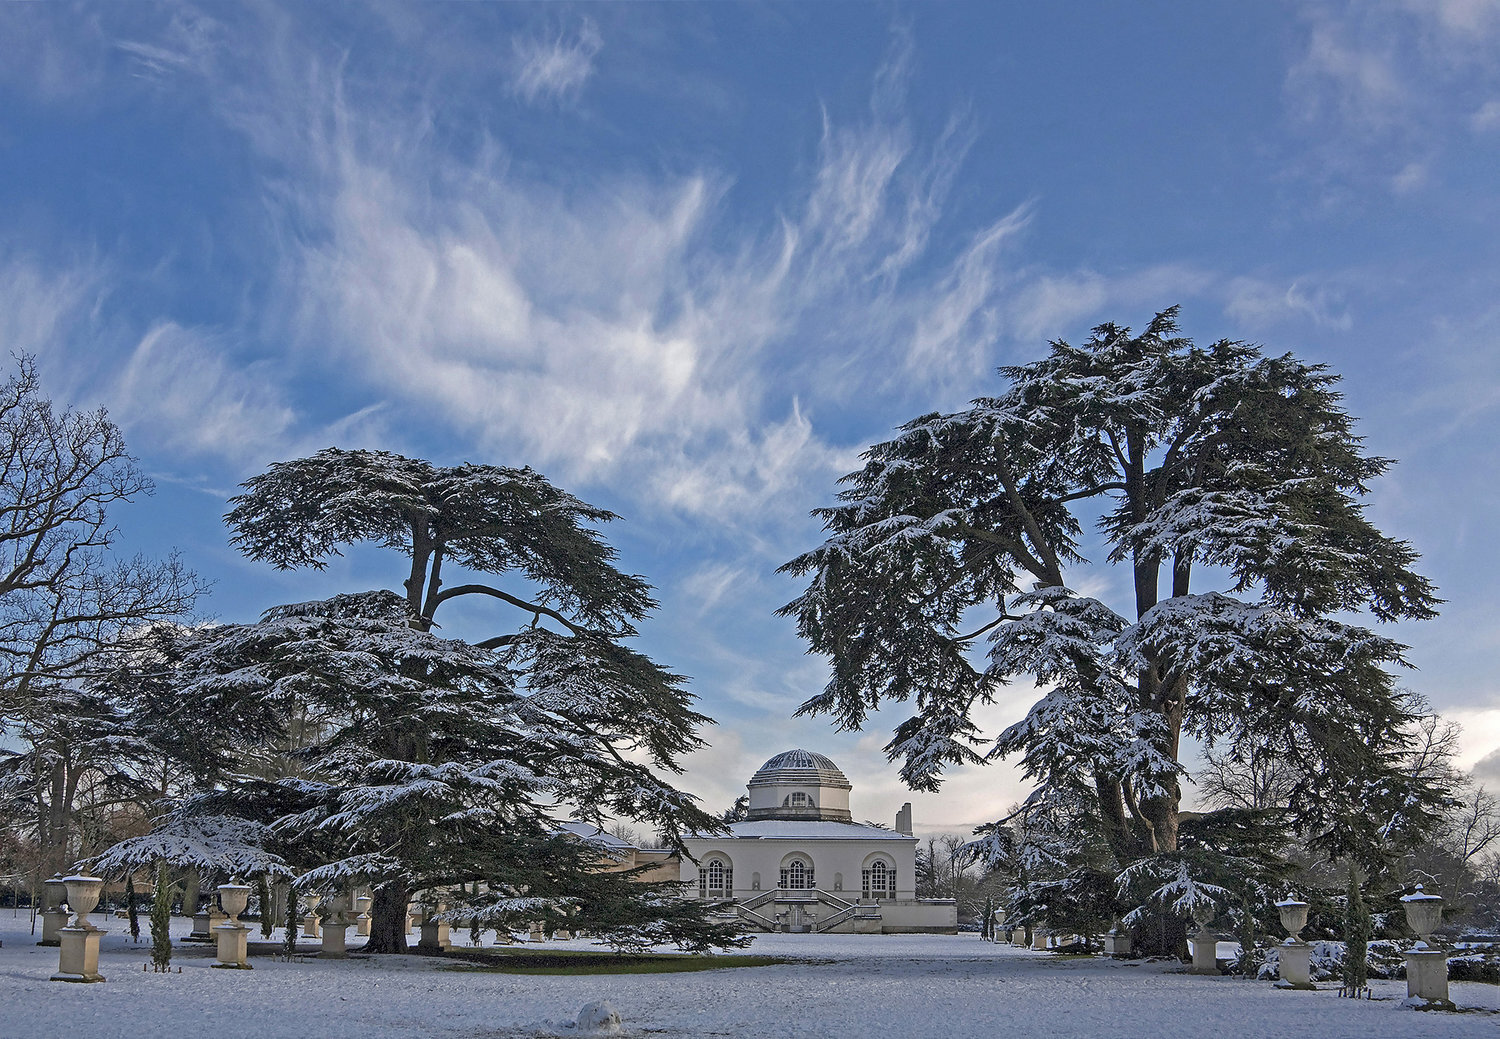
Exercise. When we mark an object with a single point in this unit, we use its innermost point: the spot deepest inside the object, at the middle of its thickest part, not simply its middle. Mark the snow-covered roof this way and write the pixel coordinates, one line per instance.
(594, 835)
(800, 766)
(808, 829)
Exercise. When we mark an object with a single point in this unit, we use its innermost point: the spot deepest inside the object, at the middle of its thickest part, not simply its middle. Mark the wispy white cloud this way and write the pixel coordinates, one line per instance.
(556, 67)
(182, 391)
(1258, 304)
(1384, 88)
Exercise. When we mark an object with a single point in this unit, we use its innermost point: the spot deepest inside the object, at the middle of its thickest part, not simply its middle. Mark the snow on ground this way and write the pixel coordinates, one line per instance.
(915, 985)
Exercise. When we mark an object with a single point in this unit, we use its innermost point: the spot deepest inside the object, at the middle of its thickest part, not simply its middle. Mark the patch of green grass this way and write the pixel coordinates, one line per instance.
(527, 961)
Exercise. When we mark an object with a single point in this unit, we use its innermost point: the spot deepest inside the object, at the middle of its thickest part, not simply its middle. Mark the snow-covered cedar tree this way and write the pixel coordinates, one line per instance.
(945, 577)
(432, 762)
(507, 535)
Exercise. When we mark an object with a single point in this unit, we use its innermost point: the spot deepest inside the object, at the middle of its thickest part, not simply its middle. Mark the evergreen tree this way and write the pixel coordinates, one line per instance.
(434, 768)
(263, 895)
(131, 908)
(516, 539)
(1358, 928)
(293, 916)
(161, 918)
(1215, 463)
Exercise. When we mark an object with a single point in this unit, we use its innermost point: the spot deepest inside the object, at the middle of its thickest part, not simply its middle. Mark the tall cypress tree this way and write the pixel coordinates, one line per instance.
(1358, 927)
(161, 918)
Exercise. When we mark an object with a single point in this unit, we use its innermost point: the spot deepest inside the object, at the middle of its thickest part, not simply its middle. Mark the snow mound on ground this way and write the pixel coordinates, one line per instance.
(599, 1018)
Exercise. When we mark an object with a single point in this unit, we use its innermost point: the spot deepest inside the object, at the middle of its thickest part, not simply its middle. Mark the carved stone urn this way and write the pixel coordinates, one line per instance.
(1205, 942)
(78, 943)
(1426, 967)
(1295, 954)
(232, 937)
(54, 916)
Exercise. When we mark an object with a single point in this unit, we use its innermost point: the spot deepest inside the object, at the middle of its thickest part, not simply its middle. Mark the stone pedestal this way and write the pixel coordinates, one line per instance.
(1205, 953)
(53, 921)
(1296, 965)
(537, 934)
(1427, 979)
(233, 946)
(310, 925)
(436, 936)
(1018, 936)
(1039, 939)
(335, 947)
(362, 921)
(78, 957)
(201, 925)
(1117, 944)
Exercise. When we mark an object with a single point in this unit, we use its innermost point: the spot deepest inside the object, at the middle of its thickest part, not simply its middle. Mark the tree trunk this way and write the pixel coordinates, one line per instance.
(388, 918)
(1160, 933)
(191, 882)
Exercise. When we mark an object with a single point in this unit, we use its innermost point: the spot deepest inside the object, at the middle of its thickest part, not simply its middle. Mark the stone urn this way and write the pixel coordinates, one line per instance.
(83, 896)
(231, 936)
(233, 898)
(1426, 967)
(78, 943)
(54, 916)
(335, 927)
(1294, 953)
(362, 915)
(1205, 942)
(310, 921)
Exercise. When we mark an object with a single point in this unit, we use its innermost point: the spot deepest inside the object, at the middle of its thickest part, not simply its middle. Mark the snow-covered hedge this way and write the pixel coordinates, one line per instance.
(1382, 960)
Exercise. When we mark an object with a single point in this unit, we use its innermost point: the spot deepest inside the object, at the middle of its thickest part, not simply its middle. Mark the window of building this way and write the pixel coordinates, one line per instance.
(879, 880)
(797, 800)
(797, 875)
(716, 879)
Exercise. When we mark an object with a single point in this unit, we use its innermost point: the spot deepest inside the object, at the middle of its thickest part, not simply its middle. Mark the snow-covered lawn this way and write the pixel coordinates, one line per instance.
(919, 985)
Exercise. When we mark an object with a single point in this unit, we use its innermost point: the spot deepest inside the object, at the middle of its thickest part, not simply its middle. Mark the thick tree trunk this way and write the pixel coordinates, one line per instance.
(1161, 934)
(388, 919)
(191, 882)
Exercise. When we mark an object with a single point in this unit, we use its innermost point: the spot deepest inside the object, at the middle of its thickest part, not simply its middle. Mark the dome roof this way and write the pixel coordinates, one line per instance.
(800, 766)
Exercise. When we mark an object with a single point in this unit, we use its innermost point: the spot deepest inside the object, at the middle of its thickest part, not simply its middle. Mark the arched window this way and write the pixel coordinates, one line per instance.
(796, 800)
(878, 880)
(797, 875)
(716, 878)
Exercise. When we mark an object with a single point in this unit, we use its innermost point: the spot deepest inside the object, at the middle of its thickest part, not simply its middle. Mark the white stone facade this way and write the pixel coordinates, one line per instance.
(799, 862)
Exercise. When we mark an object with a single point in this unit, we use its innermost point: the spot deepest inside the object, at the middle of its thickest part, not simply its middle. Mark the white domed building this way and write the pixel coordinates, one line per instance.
(799, 861)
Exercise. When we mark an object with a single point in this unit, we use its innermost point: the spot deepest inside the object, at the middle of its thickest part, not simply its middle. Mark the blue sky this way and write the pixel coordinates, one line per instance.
(689, 259)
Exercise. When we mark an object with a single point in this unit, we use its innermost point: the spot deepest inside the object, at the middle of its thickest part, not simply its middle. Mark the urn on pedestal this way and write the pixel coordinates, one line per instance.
(231, 935)
(335, 927)
(78, 942)
(1205, 942)
(1426, 967)
(310, 921)
(1295, 954)
(54, 916)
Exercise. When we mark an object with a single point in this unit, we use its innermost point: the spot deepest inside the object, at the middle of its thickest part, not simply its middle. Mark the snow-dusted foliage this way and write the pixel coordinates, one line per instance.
(1218, 464)
(217, 846)
(422, 762)
(449, 758)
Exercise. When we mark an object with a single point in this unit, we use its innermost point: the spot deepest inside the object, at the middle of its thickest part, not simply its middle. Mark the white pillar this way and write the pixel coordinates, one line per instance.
(1296, 964)
(1205, 952)
(1427, 979)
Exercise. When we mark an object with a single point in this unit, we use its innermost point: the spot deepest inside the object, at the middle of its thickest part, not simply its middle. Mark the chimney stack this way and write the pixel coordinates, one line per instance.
(903, 819)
